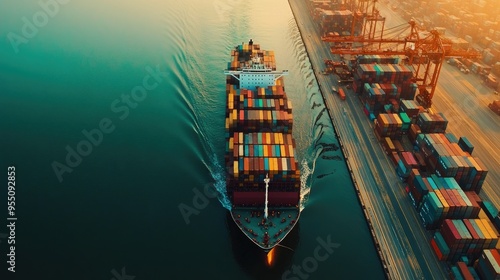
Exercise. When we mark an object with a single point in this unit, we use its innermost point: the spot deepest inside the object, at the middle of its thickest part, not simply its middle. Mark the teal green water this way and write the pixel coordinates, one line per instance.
(119, 207)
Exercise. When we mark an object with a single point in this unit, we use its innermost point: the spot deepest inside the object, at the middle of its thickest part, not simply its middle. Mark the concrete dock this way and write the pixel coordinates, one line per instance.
(397, 229)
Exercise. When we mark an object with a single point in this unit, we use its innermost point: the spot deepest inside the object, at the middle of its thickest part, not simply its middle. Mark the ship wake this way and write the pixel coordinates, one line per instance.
(305, 182)
(219, 177)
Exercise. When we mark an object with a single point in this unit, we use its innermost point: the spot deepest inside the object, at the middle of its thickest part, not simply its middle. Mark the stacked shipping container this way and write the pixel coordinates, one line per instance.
(370, 59)
(388, 125)
(411, 108)
(263, 109)
(441, 198)
(449, 160)
(339, 21)
(432, 123)
(240, 58)
(488, 265)
(464, 237)
(259, 137)
(462, 271)
(382, 84)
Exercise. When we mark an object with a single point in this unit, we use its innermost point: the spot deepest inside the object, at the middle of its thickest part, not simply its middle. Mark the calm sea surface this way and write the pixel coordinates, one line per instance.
(112, 113)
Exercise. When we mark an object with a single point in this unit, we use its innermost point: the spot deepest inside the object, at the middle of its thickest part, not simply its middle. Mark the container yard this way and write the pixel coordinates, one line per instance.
(437, 172)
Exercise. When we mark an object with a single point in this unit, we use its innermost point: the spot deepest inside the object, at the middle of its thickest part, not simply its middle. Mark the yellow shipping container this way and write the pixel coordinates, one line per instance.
(291, 150)
(231, 143)
(284, 164)
(241, 150)
(280, 139)
(283, 151)
(275, 165)
(485, 231)
(482, 214)
(443, 201)
(235, 115)
(235, 167)
(490, 230)
(271, 165)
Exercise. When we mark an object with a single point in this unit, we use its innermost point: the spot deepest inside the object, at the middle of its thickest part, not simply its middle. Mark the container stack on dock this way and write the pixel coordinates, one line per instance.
(488, 265)
(388, 125)
(411, 108)
(405, 163)
(444, 181)
(461, 271)
(380, 98)
(442, 198)
(332, 17)
(491, 212)
(319, 4)
(383, 84)
(466, 145)
(370, 59)
(339, 21)
(449, 160)
(383, 73)
(432, 123)
(463, 237)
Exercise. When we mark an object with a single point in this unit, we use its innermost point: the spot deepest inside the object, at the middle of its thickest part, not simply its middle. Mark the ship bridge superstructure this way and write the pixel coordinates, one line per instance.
(253, 67)
(252, 78)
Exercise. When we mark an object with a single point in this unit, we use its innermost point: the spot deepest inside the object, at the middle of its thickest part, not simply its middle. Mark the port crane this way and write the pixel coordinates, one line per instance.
(425, 53)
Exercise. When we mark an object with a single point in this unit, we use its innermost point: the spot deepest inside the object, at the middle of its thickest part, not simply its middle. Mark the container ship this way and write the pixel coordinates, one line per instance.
(263, 176)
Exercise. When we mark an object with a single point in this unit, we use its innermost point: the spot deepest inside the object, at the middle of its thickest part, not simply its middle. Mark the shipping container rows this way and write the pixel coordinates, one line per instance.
(264, 108)
(240, 58)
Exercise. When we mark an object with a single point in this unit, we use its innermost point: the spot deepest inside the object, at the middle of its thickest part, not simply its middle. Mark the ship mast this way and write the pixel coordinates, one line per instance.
(266, 180)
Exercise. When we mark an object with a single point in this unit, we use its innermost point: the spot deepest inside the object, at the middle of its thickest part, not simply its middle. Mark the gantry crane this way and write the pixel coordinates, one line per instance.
(426, 54)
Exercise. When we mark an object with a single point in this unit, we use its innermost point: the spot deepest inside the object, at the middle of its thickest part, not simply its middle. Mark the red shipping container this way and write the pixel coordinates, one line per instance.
(464, 271)
(496, 255)
(450, 233)
(436, 250)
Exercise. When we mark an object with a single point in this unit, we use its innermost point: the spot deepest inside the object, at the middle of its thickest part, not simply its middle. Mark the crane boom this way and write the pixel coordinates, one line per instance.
(426, 54)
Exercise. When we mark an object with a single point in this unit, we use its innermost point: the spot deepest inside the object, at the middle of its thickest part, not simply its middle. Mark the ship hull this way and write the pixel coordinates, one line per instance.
(278, 225)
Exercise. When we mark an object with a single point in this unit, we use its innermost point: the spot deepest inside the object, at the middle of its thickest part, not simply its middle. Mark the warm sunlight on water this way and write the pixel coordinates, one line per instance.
(117, 210)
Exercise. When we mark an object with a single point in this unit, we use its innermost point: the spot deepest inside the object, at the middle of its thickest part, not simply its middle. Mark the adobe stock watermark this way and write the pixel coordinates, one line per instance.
(309, 265)
(200, 201)
(121, 276)
(48, 9)
(121, 107)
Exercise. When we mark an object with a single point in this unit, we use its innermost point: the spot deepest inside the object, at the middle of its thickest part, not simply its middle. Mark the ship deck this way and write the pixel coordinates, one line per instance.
(279, 223)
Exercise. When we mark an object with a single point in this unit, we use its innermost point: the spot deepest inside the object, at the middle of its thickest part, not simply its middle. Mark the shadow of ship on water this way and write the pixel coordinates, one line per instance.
(253, 260)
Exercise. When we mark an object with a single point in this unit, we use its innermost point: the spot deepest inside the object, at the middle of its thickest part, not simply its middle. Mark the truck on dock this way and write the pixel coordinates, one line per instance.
(495, 106)
(341, 93)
